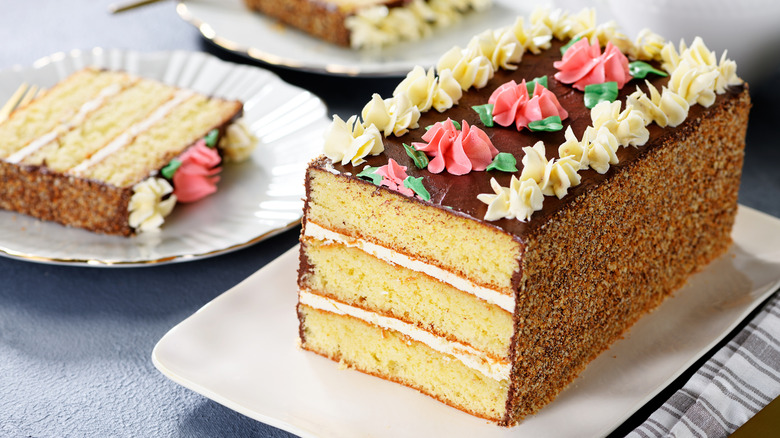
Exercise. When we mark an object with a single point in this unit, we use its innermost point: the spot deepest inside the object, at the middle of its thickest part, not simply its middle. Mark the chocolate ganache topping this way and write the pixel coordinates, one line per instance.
(458, 194)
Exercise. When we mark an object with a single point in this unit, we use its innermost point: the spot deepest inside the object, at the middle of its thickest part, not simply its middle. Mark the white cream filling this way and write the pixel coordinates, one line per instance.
(76, 120)
(127, 136)
(506, 302)
(469, 356)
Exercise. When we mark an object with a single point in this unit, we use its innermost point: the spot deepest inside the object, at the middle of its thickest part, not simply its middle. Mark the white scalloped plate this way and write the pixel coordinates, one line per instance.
(255, 199)
(230, 25)
(241, 350)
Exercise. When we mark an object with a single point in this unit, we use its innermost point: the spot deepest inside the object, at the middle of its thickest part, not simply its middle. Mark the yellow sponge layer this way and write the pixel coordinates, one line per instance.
(53, 108)
(353, 277)
(154, 148)
(481, 253)
(392, 356)
(107, 122)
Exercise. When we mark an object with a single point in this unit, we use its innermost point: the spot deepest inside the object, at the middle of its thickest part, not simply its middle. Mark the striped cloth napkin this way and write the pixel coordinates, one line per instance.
(731, 387)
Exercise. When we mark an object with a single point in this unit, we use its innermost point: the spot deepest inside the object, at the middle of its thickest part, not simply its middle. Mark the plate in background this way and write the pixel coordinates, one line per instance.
(231, 25)
(256, 199)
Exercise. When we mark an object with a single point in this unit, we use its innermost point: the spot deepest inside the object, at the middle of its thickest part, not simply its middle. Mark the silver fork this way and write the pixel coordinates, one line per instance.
(22, 96)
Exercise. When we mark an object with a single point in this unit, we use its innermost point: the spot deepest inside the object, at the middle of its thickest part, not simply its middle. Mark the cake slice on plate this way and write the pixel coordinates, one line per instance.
(488, 230)
(113, 153)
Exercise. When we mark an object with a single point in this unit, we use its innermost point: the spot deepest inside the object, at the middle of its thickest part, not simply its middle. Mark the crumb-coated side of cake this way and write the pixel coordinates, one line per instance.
(499, 222)
(111, 152)
(319, 18)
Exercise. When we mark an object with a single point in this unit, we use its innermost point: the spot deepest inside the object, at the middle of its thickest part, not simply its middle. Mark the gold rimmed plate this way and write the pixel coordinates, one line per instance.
(256, 199)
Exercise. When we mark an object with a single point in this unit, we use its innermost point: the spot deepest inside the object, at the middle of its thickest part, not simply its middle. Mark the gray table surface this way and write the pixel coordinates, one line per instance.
(75, 343)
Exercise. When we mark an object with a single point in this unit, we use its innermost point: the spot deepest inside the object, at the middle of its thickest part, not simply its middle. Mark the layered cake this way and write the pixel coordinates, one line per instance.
(488, 230)
(113, 153)
(363, 24)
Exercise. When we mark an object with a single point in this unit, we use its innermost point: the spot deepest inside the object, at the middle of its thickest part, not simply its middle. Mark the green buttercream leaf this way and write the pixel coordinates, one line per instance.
(171, 168)
(368, 173)
(417, 187)
(550, 124)
(419, 157)
(211, 138)
(504, 161)
(640, 69)
(531, 86)
(485, 113)
(569, 44)
(596, 93)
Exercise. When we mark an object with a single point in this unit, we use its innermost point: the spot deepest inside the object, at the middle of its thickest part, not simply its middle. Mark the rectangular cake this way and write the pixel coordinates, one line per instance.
(112, 153)
(363, 24)
(497, 223)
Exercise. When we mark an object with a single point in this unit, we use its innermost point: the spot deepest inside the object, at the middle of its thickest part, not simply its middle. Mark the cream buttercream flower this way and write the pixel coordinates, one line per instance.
(419, 86)
(395, 115)
(518, 201)
(469, 67)
(149, 206)
(448, 91)
(350, 141)
(559, 176)
(574, 148)
(534, 162)
(238, 142)
(647, 46)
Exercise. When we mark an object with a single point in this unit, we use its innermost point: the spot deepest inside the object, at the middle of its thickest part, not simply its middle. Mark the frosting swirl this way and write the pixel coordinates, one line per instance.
(584, 64)
(665, 109)
(197, 176)
(395, 115)
(536, 39)
(393, 176)
(512, 104)
(695, 85)
(562, 24)
(519, 200)
(238, 142)
(559, 175)
(448, 91)
(647, 46)
(501, 47)
(150, 204)
(350, 141)
(534, 162)
(469, 67)
(574, 148)
(627, 126)
(696, 74)
(457, 151)
(420, 87)
(601, 148)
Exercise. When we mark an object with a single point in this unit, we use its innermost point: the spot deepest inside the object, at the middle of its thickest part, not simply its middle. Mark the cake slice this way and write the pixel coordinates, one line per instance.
(362, 24)
(499, 222)
(112, 153)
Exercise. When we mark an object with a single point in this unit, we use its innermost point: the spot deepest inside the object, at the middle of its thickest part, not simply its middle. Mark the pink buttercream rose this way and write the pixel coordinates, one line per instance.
(512, 104)
(584, 64)
(393, 176)
(458, 151)
(197, 176)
